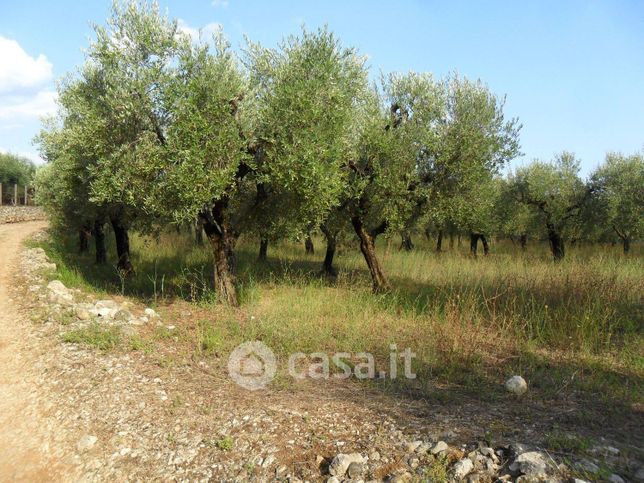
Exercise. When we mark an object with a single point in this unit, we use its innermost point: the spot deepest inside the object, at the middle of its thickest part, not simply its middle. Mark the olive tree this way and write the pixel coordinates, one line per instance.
(394, 128)
(304, 95)
(421, 143)
(281, 130)
(133, 60)
(73, 143)
(618, 196)
(555, 193)
(514, 220)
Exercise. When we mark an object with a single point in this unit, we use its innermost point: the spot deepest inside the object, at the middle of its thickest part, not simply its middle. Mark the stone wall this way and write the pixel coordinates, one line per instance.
(14, 214)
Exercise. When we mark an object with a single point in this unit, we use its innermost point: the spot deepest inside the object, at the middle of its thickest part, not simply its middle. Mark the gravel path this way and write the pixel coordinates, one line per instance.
(25, 450)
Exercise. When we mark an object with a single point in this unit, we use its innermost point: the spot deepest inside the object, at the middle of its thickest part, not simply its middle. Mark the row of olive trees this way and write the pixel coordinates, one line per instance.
(156, 129)
(549, 200)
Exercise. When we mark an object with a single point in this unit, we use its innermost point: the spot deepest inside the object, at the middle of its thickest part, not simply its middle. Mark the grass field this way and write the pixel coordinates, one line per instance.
(574, 330)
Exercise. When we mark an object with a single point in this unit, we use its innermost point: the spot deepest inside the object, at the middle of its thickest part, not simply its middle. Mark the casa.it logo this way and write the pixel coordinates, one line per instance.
(252, 365)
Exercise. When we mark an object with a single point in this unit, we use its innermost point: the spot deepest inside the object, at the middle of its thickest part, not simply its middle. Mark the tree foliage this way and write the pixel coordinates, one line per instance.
(16, 169)
(619, 195)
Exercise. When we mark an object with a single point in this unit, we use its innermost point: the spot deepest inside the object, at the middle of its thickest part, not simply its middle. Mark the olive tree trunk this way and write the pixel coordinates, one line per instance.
(439, 241)
(222, 243)
(122, 238)
(556, 243)
(263, 249)
(99, 242)
(486, 247)
(368, 249)
(83, 239)
(309, 248)
(627, 244)
(474, 244)
(406, 242)
(626, 241)
(199, 233)
(327, 264)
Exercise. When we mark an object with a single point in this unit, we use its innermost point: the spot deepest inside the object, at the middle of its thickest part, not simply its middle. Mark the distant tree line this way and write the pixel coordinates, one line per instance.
(14, 170)
(157, 129)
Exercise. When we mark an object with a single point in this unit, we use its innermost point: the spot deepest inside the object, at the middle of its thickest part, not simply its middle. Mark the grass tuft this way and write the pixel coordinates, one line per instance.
(94, 335)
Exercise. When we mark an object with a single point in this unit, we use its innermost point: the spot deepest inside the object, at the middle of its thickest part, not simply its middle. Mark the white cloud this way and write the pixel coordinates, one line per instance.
(219, 3)
(196, 34)
(20, 71)
(15, 108)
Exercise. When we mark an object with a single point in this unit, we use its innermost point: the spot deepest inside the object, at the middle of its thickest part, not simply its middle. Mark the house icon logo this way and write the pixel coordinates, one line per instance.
(252, 365)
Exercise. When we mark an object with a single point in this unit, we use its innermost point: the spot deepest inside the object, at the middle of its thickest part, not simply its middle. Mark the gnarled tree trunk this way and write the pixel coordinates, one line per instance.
(309, 248)
(523, 241)
(263, 249)
(486, 247)
(199, 233)
(626, 241)
(627, 244)
(222, 242)
(406, 242)
(99, 242)
(327, 264)
(474, 243)
(439, 241)
(122, 238)
(556, 243)
(368, 249)
(83, 239)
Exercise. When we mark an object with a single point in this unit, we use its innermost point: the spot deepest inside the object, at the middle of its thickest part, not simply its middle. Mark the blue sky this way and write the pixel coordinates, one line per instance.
(573, 71)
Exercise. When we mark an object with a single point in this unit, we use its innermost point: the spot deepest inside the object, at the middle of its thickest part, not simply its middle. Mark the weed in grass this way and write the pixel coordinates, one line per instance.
(211, 337)
(225, 444)
(437, 470)
(167, 362)
(103, 338)
(66, 318)
(138, 343)
(163, 333)
(567, 443)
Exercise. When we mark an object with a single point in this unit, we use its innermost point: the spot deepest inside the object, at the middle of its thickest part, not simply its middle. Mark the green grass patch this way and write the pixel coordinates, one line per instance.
(567, 443)
(103, 338)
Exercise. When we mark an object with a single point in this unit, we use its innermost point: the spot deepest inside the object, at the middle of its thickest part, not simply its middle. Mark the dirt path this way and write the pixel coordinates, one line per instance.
(25, 452)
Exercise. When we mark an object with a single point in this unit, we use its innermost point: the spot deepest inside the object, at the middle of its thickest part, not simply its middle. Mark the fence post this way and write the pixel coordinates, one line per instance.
(15, 194)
